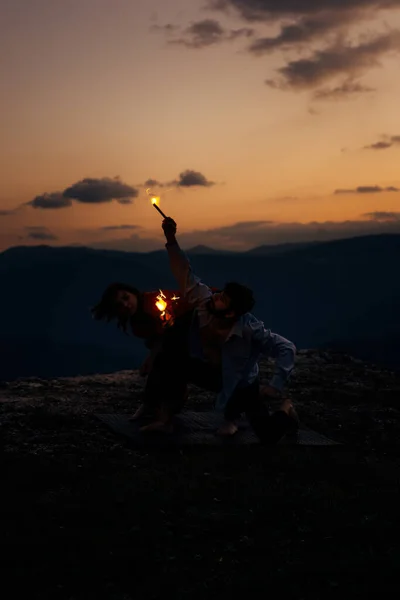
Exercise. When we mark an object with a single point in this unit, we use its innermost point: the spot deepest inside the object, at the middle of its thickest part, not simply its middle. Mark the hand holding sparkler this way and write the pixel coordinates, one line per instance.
(169, 227)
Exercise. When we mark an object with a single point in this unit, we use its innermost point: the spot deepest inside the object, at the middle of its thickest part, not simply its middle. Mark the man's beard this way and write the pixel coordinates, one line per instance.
(215, 312)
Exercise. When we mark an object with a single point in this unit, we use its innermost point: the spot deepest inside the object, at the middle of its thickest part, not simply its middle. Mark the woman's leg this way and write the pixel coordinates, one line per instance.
(166, 389)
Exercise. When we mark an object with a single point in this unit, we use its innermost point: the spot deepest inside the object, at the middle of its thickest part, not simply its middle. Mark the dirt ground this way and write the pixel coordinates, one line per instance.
(84, 515)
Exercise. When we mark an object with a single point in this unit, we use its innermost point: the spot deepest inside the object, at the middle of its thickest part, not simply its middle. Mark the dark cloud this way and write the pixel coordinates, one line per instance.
(266, 10)
(124, 200)
(119, 227)
(336, 60)
(190, 178)
(40, 233)
(387, 142)
(153, 183)
(385, 217)
(379, 146)
(87, 191)
(53, 200)
(367, 189)
(346, 90)
(302, 32)
(328, 23)
(97, 191)
(6, 213)
(209, 32)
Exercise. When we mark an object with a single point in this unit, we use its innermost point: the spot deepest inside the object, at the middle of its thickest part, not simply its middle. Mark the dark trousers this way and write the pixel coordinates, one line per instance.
(167, 386)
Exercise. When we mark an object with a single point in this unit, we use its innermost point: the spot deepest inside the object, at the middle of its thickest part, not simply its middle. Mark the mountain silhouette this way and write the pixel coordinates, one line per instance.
(344, 294)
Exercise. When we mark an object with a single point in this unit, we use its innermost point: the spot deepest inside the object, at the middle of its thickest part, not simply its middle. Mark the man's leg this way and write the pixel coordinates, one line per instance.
(236, 406)
(204, 375)
(270, 428)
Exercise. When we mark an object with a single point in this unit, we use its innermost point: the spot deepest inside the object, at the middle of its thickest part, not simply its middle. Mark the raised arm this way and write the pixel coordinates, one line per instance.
(277, 347)
(189, 284)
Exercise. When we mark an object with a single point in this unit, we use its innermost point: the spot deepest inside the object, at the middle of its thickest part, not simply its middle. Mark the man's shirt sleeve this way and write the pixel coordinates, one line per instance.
(271, 344)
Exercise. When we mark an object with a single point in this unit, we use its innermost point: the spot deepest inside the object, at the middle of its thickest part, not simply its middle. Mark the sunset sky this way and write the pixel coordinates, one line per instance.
(256, 121)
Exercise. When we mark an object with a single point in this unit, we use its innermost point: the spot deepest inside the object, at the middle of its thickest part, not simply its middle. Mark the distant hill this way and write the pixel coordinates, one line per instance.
(200, 249)
(344, 293)
(279, 248)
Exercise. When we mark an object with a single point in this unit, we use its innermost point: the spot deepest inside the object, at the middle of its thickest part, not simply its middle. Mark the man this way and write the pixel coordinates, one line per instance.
(216, 345)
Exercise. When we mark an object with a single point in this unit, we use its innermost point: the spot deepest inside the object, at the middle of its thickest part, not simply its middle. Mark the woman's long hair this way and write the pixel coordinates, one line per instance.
(108, 310)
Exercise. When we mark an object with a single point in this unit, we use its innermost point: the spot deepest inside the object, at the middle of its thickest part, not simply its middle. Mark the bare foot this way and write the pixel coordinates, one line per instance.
(162, 426)
(138, 413)
(288, 408)
(228, 428)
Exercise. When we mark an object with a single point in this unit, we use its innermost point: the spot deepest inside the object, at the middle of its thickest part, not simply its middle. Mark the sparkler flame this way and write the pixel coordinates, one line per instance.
(162, 305)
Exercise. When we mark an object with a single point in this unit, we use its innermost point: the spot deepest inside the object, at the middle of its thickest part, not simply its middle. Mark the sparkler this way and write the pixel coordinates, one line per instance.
(155, 200)
(162, 306)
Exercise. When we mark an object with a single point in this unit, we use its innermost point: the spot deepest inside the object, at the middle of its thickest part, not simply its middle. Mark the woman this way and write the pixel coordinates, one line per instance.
(146, 314)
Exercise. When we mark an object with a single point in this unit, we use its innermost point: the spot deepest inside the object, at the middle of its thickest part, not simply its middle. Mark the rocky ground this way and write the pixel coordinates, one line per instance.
(84, 515)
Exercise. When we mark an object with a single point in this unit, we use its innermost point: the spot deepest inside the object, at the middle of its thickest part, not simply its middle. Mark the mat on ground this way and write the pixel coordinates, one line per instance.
(199, 428)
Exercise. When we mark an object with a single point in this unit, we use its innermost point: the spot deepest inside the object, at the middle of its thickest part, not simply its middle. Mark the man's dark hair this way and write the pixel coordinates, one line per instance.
(107, 308)
(242, 299)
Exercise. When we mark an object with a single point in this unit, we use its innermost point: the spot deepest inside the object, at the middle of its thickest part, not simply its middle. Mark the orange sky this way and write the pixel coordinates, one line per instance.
(95, 89)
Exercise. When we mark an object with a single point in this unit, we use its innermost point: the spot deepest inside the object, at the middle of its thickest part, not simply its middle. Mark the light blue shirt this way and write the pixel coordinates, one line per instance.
(247, 340)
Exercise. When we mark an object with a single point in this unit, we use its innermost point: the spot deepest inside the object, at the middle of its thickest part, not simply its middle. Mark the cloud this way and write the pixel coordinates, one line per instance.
(387, 142)
(209, 32)
(87, 191)
(346, 90)
(190, 178)
(267, 10)
(97, 191)
(339, 59)
(119, 227)
(53, 200)
(303, 31)
(328, 29)
(152, 183)
(367, 189)
(385, 217)
(6, 213)
(126, 200)
(40, 233)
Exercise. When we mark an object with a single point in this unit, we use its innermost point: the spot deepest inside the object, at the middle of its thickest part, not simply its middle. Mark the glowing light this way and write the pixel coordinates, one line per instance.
(162, 306)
